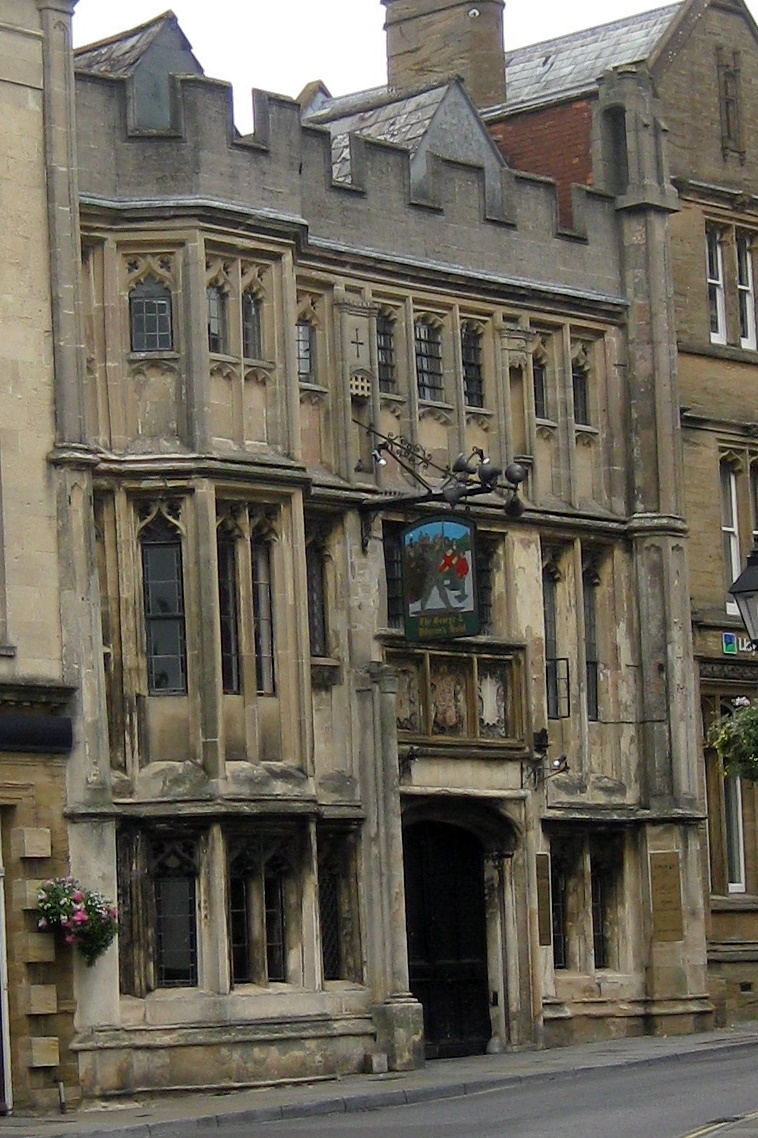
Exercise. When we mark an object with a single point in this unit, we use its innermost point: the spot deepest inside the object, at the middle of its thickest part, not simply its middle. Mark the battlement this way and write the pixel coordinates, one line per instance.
(437, 209)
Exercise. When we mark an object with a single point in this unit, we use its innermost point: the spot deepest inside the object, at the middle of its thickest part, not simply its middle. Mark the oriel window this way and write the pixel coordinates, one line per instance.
(428, 341)
(150, 317)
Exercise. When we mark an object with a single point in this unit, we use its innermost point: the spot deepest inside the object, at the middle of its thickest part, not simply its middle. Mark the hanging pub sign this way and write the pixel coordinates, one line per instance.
(439, 579)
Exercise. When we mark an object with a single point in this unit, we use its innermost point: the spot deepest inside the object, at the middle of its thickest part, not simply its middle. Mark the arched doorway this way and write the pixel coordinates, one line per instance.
(447, 936)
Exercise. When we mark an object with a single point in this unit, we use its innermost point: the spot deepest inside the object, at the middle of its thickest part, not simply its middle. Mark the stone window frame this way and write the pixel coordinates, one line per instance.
(591, 584)
(472, 363)
(727, 849)
(587, 893)
(715, 282)
(159, 268)
(386, 350)
(162, 518)
(581, 384)
(540, 361)
(142, 851)
(557, 668)
(429, 357)
(341, 955)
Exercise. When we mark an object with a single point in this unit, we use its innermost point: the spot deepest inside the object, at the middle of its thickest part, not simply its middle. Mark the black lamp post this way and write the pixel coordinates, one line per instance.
(745, 592)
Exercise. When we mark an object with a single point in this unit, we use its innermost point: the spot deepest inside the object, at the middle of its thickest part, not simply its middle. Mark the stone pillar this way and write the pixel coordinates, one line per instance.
(63, 217)
(399, 1019)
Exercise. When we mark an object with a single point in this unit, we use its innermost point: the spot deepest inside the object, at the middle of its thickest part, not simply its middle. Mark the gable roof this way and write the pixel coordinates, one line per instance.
(571, 65)
(119, 55)
(380, 113)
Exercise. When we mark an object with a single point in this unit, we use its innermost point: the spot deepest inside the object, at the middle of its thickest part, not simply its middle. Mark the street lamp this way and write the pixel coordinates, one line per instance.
(745, 592)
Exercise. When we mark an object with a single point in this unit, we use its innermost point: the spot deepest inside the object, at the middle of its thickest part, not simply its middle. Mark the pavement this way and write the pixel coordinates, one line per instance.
(177, 1116)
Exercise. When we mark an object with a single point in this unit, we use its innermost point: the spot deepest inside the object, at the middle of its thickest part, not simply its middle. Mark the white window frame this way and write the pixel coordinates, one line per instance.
(746, 289)
(734, 833)
(715, 278)
(729, 530)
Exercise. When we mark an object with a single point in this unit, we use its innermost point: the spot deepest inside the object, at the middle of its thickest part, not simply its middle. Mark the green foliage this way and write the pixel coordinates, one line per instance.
(735, 738)
(87, 919)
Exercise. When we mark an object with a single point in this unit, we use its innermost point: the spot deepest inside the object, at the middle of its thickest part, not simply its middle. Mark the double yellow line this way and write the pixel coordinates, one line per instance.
(717, 1126)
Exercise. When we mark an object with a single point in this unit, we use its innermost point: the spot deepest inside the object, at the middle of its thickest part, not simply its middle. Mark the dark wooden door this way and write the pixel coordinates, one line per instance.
(447, 938)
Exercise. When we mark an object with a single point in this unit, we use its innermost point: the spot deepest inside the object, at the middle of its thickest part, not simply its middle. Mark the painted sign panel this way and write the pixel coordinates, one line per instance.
(439, 579)
(666, 892)
(734, 645)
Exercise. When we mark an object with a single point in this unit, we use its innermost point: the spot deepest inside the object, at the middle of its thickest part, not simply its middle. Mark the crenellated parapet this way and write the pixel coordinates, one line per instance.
(438, 209)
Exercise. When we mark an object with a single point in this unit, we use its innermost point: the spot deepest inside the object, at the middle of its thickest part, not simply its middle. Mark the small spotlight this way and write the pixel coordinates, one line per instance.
(378, 457)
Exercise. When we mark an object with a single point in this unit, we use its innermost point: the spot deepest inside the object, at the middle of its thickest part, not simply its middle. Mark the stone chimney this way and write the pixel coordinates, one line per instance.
(435, 39)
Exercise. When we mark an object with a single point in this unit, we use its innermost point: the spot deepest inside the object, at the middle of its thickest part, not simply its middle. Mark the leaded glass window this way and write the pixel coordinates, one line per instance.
(150, 317)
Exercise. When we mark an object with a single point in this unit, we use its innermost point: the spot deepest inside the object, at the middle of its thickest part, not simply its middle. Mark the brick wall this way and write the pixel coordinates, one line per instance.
(553, 141)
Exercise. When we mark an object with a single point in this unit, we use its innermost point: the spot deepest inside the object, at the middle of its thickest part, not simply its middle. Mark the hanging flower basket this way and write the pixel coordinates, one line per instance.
(735, 738)
(87, 919)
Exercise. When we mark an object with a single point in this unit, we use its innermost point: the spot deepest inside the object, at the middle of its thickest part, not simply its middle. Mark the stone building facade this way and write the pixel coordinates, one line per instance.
(286, 793)
(38, 684)
(574, 126)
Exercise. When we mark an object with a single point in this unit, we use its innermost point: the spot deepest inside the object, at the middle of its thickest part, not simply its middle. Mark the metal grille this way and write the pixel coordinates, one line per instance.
(485, 558)
(471, 354)
(306, 369)
(428, 360)
(316, 599)
(393, 572)
(559, 905)
(385, 345)
(329, 913)
(600, 892)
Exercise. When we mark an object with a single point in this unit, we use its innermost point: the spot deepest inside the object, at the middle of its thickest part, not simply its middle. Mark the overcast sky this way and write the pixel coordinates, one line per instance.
(280, 45)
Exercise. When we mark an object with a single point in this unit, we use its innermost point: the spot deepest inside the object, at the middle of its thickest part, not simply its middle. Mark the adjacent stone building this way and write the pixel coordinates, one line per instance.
(567, 116)
(38, 680)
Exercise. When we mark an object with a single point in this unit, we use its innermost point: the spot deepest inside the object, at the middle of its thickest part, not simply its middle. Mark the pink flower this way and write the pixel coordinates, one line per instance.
(70, 938)
(80, 917)
(78, 895)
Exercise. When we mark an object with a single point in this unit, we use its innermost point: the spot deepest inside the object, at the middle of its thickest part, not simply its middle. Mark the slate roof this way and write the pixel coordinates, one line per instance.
(570, 65)
(118, 55)
(379, 113)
